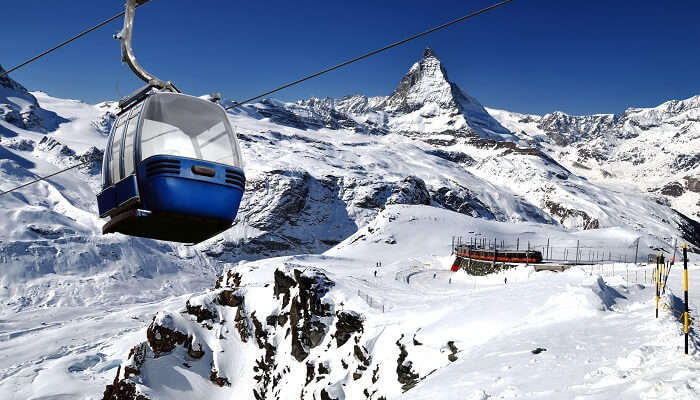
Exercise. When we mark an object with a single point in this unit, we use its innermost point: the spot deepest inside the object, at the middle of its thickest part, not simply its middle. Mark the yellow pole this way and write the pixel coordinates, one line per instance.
(685, 290)
(656, 279)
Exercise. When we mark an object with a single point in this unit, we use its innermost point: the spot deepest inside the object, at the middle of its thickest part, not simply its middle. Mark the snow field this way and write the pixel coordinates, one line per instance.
(597, 334)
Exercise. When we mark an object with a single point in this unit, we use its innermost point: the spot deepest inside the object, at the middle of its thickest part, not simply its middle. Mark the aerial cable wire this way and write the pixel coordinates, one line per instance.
(371, 53)
(45, 177)
(237, 104)
(65, 42)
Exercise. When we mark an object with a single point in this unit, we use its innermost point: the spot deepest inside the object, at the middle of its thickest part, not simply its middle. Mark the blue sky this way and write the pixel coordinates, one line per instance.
(531, 56)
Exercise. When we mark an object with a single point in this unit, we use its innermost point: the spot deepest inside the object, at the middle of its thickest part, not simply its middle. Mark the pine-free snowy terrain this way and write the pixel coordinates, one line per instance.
(332, 179)
(414, 331)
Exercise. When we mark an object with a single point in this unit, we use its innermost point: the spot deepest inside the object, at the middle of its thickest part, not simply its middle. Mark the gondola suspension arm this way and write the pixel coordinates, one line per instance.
(125, 36)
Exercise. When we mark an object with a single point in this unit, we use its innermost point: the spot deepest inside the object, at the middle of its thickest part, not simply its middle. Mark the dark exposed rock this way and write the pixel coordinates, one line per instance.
(565, 129)
(453, 351)
(411, 190)
(21, 109)
(481, 268)
(242, 324)
(375, 374)
(259, 331)
(406, 376)
(219, 380)
(122, 390)
(195, 351)
(461, 200)
(690, 229)
(562, 213)
(347, 323)
(326, 396)
(673, 189)
(322, 369)
(198, 311)
(49, 144)
(454, 156)
(283, 283)
(229, 298)
(361, 355)
(693, 183)
(307, 312)
(685, 162)
(310, 372)
(137, 356)
(233, 279)
(163, 340)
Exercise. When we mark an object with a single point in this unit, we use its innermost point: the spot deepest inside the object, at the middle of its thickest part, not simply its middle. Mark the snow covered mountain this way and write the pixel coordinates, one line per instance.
(20, 109)
(656, 150)
(321, 175)
(452, 146)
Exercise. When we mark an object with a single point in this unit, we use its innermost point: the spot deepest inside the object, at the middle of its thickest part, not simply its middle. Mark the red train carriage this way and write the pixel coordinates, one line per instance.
(511, 256)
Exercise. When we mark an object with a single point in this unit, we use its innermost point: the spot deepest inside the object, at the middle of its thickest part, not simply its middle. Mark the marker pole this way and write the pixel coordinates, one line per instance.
(656, 280)
(685, 290)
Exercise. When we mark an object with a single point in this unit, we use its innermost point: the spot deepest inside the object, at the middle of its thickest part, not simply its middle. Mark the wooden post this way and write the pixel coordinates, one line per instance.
(636, 252)
(577, 243)
(517, 244)
(548, 249)
(685, 295)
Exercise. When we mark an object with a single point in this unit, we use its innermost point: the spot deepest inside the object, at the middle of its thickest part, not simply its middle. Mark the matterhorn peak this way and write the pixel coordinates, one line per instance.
(425, 89)
(425, 82)
(429, 53)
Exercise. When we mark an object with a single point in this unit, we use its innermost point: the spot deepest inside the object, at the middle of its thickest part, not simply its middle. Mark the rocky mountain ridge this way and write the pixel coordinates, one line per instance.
(21, 109)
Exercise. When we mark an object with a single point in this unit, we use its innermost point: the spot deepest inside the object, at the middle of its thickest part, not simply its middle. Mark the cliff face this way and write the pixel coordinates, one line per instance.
(20, 108)
(276, 341)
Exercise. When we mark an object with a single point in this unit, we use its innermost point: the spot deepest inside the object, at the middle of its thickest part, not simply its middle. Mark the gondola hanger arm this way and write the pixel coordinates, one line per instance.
(125, 35)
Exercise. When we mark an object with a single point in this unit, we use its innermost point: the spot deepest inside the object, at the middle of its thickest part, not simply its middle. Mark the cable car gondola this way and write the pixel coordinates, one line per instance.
(172, 167)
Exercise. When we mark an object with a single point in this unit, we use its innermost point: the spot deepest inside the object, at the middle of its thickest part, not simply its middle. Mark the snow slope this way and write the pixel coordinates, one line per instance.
(414, 330)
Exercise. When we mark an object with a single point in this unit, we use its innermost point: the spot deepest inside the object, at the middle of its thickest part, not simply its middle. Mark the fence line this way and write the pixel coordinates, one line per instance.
(579, 252)
(372, 301)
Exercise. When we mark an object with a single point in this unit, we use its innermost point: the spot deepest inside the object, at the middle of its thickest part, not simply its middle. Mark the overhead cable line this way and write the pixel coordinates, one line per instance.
(237, 104)
(45, 177)
(371, 53)
(65, 42)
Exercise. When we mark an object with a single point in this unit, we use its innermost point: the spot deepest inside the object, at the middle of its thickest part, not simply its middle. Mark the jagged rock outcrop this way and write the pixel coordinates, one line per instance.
(565, 129)
(304, 334)
(21, 109)
(293, 211)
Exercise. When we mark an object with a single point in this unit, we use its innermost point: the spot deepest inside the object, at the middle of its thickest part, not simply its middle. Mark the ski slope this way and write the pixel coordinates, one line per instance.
(598, 331)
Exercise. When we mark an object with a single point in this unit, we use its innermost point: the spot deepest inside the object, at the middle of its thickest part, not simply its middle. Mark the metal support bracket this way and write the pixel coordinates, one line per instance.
(128, 54)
